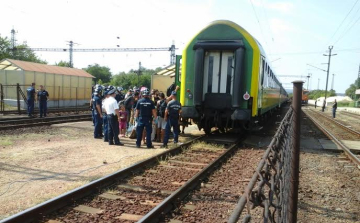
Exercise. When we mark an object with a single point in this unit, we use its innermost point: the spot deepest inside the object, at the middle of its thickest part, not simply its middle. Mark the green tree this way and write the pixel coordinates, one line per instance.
(351, 90)
(321, 93)
(62, 64)
(20, 52)
(99, 72)
(131, 78)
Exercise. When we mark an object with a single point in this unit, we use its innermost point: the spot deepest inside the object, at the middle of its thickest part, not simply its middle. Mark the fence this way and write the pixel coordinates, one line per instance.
(13, 97)
(277, 175)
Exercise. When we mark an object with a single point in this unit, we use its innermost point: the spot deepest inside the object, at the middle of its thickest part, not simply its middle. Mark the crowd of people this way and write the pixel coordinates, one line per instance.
(140, 113)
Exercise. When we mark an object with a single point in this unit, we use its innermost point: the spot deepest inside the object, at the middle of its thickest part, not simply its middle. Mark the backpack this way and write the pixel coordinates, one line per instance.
(162, 108)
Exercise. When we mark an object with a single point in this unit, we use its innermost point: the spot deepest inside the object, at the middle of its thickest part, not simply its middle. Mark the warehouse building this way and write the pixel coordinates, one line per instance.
(67, 87)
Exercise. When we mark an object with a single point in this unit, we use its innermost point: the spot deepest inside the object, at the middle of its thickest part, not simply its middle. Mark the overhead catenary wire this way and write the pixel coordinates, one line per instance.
(344, 19)
(261, 30)
(342, 36)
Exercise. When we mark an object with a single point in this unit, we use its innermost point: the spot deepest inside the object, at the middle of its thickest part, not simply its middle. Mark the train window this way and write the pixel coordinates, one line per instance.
(218, 72)
(210, 73)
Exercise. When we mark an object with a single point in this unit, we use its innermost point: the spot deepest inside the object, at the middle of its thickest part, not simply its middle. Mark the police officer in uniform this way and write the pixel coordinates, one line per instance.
(112, 112)
(43, 97)
(105, 121)
(97, 104)
(145, 112)
(30, 99)
(172, 114)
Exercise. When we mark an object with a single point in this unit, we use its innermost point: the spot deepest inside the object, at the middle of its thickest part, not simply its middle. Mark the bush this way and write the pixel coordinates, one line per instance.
(346, 104)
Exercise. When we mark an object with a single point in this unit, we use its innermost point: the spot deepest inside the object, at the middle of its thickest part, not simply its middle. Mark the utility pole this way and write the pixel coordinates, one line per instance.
(332, 82)
(318, 84)
(327, 74)
(172, 53)
(13, 42)
(71, 44)
(138, 73)
(308, 77)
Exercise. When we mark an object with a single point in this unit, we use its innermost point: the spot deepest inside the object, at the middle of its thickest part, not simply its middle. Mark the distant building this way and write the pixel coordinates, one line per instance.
(66, 86)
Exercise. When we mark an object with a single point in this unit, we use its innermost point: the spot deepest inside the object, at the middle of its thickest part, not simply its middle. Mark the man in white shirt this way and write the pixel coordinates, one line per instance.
(112, 111)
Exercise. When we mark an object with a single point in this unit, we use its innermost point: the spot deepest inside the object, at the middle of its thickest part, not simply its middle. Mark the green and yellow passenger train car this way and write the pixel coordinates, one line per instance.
(226, 79)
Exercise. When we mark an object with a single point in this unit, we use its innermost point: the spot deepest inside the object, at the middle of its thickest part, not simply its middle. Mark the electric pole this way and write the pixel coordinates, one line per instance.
(138, 73)
(13, 42)
(332, 82)
(318, 84)
(71, 44)
(308, 77)
(327, 74)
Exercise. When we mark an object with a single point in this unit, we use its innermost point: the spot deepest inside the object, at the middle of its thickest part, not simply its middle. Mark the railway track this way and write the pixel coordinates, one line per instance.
(24, 122)
(350, 114)
(143, 192)
(342, 126)
(353, 157)
(49, 110)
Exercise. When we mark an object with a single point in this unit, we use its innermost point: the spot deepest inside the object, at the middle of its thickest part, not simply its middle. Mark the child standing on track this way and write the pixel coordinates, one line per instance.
(122, 121)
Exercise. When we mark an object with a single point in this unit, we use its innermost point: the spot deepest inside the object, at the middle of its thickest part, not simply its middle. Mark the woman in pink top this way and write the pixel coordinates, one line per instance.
(122, 121)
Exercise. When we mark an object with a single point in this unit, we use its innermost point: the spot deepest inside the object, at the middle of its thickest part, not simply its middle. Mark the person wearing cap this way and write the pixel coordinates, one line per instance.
(112, 111)
(97, 104)
(43, 97)
(172, 114)
(30, 99)
(145, 115)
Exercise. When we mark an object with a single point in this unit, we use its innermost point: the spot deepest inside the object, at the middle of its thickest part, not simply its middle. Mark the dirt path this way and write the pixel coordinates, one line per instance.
(40, 163)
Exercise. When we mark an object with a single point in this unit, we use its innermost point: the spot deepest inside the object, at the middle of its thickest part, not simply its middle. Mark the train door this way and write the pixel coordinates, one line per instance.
(218, 72)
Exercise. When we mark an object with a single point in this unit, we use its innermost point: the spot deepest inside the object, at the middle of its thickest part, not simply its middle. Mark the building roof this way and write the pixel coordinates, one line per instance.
(10, 64)
(167, 71)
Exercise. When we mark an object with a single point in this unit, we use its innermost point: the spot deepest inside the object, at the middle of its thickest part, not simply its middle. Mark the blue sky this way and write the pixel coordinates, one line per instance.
(298, 32)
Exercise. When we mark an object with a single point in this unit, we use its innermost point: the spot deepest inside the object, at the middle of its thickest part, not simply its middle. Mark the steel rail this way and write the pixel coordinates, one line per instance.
(14, 124)
(347, 151)
(39, 211)
(170, 202)
(338, 123)
(354, 115)
(49, 110)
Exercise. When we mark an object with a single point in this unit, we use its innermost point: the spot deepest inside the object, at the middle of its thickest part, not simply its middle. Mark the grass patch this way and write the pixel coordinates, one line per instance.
(201, 145)
(5, 141)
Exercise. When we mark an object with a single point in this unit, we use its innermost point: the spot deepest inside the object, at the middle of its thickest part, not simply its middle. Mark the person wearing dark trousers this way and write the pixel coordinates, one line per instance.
(315, 103)
(112, 111)
(334, 107)
(105, 121)
(323, 106)
(30, 99)
(172, 114)
(145, 114)
(43, 97)
(97, 104)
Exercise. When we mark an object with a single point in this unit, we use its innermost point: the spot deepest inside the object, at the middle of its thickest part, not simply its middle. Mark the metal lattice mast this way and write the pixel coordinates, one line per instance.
(71, 44)
(172, 54)
(13, 39)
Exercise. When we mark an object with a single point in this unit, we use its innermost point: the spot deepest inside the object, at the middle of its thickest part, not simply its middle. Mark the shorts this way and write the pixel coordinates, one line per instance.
(122, 125)
(161, 123)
